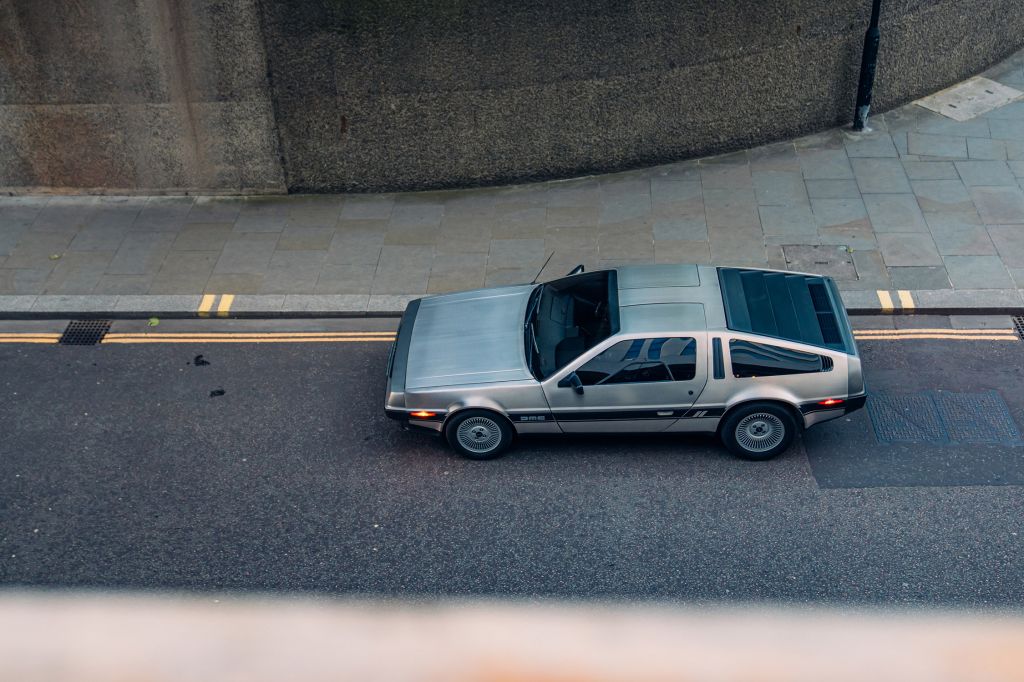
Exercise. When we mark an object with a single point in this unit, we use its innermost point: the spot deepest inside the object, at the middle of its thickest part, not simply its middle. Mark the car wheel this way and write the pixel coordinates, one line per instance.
(479, 434)
(758, 431)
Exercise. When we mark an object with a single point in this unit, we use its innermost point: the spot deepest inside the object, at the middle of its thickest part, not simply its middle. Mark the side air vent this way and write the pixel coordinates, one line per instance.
(826, 363)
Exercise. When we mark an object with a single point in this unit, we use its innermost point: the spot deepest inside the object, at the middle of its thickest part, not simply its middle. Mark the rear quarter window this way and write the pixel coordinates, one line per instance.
(750, 359)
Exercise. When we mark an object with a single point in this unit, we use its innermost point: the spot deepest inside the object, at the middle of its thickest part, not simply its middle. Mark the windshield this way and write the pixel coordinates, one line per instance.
(566, 317)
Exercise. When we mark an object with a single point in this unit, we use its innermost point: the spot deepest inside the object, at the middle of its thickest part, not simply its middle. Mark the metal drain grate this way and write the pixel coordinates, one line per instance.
(85, 332)
(1018, 324)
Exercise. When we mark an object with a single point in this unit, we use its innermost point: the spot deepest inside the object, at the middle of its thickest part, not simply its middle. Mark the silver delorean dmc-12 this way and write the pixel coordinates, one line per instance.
(753, 355)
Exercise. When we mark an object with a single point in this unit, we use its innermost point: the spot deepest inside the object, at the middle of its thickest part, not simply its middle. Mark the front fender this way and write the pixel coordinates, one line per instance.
(477, 402)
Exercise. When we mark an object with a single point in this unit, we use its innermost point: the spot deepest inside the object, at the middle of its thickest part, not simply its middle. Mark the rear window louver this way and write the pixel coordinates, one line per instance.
(788, 306)
(823, 310)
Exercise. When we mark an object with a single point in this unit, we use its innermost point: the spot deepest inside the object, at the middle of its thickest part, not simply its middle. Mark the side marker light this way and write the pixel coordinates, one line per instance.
(831, 401)
(423, 414)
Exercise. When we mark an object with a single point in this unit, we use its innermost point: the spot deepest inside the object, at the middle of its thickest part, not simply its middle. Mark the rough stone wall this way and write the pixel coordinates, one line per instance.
(135, 95)
(405, 94)
(372, 95)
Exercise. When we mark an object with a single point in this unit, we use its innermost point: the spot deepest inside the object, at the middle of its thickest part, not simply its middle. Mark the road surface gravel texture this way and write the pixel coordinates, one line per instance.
(123, 468)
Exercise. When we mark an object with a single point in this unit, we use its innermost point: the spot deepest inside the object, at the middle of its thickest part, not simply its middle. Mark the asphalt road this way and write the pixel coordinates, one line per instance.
(119, 469)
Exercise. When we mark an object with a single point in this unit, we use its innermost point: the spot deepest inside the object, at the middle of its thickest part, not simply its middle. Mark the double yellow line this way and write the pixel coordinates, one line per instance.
(364, 337)
(212, 337)
(948, 334)
(248, 337)
(336, 337)
(27, 337)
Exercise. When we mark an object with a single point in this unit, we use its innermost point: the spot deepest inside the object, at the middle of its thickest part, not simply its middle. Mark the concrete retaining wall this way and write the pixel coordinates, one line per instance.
(373, 95)
(135, 95)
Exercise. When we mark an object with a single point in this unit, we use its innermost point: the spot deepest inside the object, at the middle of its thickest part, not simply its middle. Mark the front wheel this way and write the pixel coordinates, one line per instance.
(758, 431)
(479, 434)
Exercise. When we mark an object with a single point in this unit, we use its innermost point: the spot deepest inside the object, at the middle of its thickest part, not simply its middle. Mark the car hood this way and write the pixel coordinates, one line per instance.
(470, 337)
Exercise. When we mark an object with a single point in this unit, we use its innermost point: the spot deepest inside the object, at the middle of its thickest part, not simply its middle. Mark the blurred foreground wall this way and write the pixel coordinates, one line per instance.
(373, 95)
(91, 637)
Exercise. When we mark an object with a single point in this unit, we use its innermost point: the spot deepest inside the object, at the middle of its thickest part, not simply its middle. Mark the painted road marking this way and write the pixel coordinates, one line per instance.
(931, 330)
(938, 336)
(176, 334)
(951, 334)
(906, 300)
(212, 337)
(205, 304)
(223, 340)
(225, 304)
(378, 336)
(249, 337)
(927, 330)
(29, 338)
(886, 300)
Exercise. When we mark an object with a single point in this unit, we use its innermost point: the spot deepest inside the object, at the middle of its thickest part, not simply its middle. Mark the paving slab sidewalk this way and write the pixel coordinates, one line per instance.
(921, 214)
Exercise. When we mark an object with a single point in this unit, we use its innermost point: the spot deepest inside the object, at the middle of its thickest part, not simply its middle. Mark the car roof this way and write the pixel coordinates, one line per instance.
(669, 298)
(794, 306)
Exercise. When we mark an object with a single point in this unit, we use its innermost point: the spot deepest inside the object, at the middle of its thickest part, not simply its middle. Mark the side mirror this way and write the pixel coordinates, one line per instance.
(576, 270)
(572, 380)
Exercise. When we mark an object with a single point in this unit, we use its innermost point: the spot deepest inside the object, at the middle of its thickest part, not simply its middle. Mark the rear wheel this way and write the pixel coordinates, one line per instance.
(479, 434)
(758, 431)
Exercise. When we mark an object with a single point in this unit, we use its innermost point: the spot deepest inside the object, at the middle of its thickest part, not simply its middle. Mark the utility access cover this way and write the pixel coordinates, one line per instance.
(922, 438)
(84, 332)
(971, 98)
(832, 261)
(942, 417)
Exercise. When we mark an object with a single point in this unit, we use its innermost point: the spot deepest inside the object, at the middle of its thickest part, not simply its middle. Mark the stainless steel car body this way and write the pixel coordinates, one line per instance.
(467, 350)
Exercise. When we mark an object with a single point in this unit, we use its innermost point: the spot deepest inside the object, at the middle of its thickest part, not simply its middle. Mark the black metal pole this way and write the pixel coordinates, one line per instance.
(868, 62)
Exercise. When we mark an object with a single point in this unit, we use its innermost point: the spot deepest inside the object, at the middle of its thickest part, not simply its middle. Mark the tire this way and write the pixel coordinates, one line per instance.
(758, 431)
(479, 434)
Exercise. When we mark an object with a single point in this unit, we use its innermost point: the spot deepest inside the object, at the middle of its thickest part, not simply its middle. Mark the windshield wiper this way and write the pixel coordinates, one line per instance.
(530, 333)
(534, 306)
(533, 353)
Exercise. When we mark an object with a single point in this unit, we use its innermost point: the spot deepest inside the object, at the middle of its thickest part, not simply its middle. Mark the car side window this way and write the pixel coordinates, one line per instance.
(640, 372)
(641, 361)
(680, 355)
(750, 360)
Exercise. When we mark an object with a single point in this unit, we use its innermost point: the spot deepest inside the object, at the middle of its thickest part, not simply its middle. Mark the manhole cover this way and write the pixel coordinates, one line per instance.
(971, 98)
(976, 418)
(942, 417)
(905, 418)
(833, 261)
(85, 332)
